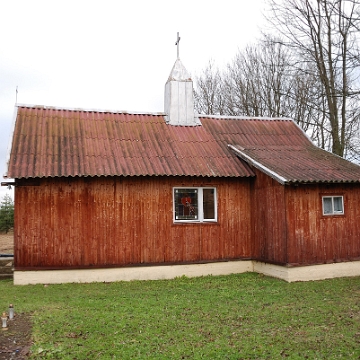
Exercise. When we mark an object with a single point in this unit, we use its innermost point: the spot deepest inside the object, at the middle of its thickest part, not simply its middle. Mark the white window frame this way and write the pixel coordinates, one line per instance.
(200, 199)
(333, 212)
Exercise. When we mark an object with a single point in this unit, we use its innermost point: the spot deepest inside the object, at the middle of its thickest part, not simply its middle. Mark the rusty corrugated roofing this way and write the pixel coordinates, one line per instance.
(51, 142)
(296, 164)
(281, 149)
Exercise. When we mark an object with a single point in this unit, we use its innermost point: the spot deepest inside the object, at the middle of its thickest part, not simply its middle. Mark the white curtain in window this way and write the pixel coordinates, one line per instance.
(327, 202)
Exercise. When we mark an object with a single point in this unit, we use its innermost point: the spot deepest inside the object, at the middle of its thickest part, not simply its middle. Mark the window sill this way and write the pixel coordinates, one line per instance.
(332, 216)
(195, 223)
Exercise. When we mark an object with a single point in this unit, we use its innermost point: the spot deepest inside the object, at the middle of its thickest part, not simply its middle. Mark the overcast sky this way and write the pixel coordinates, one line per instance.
(107, 54)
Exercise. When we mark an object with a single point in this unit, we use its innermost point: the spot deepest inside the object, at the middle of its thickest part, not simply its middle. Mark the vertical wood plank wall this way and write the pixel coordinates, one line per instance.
(268, 220)
(95, 222)
(314, 238)
(289, 228)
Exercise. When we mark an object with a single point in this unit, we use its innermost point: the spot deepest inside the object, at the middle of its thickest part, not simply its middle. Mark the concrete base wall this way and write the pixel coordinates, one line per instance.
(304, 273)
(130, 273)
(309, 273)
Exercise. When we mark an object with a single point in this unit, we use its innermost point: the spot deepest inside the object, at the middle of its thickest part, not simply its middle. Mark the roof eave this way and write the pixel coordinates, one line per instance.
(9, 148)
(259, 166)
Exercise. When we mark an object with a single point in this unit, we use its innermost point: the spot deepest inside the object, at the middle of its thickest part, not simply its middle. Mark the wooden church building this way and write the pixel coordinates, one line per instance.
(107, 195)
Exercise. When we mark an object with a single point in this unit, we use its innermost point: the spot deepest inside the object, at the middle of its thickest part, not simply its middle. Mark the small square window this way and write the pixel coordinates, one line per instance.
(333, 205)
(195, 204)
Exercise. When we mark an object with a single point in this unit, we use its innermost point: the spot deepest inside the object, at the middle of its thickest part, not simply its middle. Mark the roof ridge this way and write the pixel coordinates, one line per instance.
(159, 113)
(227, 117)
(49, 107)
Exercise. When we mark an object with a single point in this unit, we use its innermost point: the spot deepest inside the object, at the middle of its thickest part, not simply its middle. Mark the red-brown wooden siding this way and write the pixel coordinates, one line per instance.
(288, 226)
(119, 221)
(314, 238)
(268, 220)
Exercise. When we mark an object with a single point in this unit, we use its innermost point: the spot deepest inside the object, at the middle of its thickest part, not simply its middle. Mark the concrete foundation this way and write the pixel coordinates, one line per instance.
(309, 273)
(303, 273)
(130, 273)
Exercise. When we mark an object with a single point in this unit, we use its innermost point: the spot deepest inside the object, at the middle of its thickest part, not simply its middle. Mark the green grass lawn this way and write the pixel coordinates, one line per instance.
(247, 316)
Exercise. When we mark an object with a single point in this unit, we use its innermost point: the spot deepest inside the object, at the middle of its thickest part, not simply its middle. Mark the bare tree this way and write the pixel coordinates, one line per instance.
(260, 82)
(209, 93)
(324, 35)
(309, 72)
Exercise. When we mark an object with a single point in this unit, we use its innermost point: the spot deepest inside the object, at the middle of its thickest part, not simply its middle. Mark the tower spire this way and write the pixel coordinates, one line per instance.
(177, 44)
(179, 95)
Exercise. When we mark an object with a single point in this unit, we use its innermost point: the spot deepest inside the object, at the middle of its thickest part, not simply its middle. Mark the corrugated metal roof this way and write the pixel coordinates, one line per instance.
(281, 149)
(51, 142)
(295, 164)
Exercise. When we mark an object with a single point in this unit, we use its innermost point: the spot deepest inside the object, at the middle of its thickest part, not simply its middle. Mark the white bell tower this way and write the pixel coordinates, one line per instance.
(179, 96)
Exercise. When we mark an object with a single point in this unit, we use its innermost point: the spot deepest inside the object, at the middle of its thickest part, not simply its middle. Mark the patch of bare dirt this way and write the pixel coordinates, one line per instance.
(15, 342)
(7, 243)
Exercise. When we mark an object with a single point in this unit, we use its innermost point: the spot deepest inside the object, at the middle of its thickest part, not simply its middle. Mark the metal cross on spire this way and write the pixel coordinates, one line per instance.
(177, 44)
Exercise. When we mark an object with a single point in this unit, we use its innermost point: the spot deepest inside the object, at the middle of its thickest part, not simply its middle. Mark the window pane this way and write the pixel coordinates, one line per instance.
(327, 204)
(209, 203)
(186, 204)
(338, 204)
